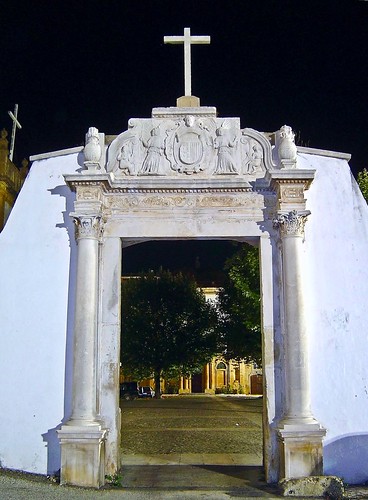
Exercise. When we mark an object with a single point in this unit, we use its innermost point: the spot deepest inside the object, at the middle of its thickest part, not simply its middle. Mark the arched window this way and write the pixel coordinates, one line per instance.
(221, 366)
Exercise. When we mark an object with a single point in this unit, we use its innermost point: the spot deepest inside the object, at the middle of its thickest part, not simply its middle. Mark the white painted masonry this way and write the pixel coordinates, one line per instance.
(38, 251)
(35, 352)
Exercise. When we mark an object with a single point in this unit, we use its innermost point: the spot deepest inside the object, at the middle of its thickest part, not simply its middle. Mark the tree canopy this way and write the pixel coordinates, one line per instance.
(363, 182)
(240, 307)
(168, 327)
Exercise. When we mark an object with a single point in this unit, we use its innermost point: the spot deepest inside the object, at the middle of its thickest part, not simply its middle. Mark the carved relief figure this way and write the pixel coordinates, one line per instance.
(125, 153)
(256, 158)
(252, 155)
(125, 157)
(224, 144)
(155, 145)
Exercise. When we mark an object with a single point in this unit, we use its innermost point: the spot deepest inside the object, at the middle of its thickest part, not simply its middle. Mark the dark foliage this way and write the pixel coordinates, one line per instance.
(239, 306)
(168, 328)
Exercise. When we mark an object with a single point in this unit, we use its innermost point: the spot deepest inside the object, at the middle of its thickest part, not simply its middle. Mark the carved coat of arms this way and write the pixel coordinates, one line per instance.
(189, 146)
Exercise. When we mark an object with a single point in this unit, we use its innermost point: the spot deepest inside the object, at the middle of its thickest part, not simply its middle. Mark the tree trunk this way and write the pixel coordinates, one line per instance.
(157, 383)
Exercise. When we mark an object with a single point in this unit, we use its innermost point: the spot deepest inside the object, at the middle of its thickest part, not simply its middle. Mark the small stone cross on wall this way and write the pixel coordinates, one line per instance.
(187, 40)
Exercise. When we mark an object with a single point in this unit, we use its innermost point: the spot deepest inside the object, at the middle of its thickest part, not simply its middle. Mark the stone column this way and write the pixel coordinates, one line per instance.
(213, 377)
(207, 375)
(82, 438)
(109, 349)
(300, 434)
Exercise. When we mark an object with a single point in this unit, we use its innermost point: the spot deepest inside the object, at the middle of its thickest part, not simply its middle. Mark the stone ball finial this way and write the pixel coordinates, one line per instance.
(286, 148)
(92, 150)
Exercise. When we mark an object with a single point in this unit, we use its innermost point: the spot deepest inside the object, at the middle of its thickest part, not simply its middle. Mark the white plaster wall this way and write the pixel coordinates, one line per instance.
(35, 260)
(336, 274)
(35, 352)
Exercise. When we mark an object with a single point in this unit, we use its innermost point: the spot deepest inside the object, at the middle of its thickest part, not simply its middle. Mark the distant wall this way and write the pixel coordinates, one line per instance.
(336, 277)
(35, 257)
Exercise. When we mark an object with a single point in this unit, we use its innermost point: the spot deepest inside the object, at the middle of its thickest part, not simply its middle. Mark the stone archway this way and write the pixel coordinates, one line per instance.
(184, 174)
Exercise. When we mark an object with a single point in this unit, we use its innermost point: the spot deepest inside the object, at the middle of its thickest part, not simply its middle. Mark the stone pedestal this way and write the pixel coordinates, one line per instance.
(82, 455)
(301, 451)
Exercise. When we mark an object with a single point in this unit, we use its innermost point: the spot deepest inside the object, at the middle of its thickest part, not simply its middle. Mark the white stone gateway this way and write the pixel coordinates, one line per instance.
(184, 173)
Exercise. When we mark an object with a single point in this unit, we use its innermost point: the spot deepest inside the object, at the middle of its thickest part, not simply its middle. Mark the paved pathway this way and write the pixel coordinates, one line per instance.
(187, 448)
(210, 430)
(193, 442)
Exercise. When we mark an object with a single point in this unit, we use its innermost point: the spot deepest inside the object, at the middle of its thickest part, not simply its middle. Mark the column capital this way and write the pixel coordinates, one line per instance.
(291, 223)
(88, 226)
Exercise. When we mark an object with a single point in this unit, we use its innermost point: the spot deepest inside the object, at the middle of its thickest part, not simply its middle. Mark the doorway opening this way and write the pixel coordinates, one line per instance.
(209, 421)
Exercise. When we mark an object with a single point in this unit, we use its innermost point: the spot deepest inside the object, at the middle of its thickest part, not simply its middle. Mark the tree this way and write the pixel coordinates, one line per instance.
(363, 182)
(168, 327)
(240, 307)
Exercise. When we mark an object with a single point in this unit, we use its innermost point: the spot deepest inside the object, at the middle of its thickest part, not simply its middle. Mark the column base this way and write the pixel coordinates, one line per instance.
(82, 455)
(184, 391)
(209, 391)
(301, 450)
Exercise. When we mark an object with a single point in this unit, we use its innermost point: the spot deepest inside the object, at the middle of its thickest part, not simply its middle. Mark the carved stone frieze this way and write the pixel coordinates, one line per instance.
(289, 193)
(189, 145)
(291, 223)
(86, 193)
(88, 226)
(129, 202)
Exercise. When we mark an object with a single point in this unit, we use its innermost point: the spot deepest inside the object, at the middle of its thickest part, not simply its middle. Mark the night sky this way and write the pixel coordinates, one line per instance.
(73, 65)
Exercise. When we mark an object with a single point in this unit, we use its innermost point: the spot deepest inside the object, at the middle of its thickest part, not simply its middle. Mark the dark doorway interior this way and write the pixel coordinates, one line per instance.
(197, 385)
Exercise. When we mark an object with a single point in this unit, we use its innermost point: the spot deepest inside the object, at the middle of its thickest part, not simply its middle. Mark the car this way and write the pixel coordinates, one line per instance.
(129, 390)
(146, 392)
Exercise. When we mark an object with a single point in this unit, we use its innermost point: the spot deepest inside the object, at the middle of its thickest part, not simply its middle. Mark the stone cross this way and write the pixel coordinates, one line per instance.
(187, 40)
(16, 124)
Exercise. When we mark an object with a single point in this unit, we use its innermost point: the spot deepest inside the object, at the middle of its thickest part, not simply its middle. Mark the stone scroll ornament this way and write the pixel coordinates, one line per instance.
(189, 145)
(88, 226)
(291, 223)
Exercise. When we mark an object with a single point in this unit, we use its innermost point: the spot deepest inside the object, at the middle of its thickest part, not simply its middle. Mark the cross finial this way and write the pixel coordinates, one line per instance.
(187, 40)
(16, 124)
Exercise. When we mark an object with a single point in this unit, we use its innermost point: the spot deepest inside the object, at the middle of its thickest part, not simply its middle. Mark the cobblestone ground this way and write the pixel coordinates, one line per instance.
(195, 442)
(192, 429)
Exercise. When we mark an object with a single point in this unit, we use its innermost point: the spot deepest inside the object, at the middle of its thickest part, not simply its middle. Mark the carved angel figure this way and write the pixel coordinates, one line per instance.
(224, 144)
(155, 145)
(125, 157)
(256, 157)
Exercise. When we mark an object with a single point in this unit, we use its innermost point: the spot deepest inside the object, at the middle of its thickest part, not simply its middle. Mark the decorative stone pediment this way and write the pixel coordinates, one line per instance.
(189, 143)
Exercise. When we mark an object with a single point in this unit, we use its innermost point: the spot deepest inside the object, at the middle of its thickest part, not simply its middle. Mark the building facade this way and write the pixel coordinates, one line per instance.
(11, 179)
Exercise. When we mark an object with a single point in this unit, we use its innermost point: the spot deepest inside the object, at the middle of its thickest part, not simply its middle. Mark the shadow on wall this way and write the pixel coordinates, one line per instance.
(53, 451)
(51, 437)
(347, 457)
